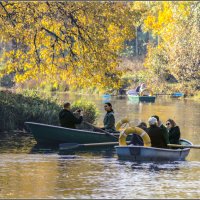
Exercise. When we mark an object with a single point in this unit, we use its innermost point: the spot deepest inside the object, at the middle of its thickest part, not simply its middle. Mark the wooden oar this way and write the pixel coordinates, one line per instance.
(101, 130)
(184, 146)
(68, 146)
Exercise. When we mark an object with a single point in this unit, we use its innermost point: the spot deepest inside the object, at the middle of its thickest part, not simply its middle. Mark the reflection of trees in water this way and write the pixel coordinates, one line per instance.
(16, 142)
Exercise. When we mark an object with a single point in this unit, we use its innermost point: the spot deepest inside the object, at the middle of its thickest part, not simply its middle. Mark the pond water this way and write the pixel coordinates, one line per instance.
(43, 173)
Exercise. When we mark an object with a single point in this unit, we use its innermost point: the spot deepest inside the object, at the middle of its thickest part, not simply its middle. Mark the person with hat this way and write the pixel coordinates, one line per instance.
(156, 134)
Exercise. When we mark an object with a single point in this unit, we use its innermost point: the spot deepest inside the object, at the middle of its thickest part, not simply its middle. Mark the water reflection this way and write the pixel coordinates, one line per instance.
(163, 166)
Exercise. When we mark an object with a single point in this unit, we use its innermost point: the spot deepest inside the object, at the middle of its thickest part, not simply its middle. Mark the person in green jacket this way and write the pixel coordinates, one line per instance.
(164, 129)
(109, 119)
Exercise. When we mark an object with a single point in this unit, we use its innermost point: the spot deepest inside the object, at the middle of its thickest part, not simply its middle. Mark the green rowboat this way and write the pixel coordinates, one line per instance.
(137, 98)
(54, 135)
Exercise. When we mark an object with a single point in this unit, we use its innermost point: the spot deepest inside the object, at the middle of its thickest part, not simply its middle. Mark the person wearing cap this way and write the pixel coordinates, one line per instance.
(164, 129)
(156, 134)
(67, 118)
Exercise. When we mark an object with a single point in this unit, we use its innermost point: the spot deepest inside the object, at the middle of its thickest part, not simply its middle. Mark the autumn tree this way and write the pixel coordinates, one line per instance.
(177, 26)
(75, 42)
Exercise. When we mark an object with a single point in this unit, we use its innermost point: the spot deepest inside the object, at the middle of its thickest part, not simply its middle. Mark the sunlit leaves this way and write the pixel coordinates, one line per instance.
(78, 43)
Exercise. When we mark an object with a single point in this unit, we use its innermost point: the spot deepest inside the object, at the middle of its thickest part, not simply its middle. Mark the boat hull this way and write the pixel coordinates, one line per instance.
(142, 98)
(48, 134)
(140, 153)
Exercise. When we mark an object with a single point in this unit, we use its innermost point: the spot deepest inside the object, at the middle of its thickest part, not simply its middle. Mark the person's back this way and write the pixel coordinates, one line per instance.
(164, 129)
(174, 135)
(67, 119)
(137, 89)
(136, 139)
(156, 134)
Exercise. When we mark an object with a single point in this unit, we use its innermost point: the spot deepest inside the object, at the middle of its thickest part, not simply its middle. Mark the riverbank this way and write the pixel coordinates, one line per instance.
(16, 108)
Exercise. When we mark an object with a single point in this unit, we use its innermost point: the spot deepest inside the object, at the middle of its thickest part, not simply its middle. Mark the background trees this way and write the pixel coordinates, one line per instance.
(81, 43)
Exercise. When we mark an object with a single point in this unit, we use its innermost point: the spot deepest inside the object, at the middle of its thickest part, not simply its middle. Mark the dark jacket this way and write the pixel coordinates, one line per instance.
(174, 135)
(165, 133)
(136, 139)
(68, 120)
(109, 122)
(157, 137)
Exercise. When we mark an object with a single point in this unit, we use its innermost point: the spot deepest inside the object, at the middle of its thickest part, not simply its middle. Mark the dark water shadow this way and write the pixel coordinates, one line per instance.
(44, 149)
(154, 166)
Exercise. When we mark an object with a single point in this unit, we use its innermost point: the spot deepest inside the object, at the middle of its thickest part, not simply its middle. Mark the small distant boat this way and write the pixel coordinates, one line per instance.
(142, 98)
(54, 135)
(106, 97)
(177, 94)
(141, 153)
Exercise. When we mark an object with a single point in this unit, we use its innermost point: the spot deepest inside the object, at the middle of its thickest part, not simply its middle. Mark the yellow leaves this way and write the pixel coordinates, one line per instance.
(80, 48)
(150, 21)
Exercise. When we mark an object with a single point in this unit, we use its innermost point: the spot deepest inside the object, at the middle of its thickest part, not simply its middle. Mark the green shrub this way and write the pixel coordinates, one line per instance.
(90, 111)
(15, 109)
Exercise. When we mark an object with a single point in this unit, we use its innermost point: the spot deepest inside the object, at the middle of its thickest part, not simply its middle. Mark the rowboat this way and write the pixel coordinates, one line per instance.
(141, 153)
(54, 135)
(177, 94)
(138, 98)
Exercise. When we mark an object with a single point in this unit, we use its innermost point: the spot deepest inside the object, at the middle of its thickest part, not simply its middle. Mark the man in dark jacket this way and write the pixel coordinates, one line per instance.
(156, 134)
(67, 118)
(164, 129)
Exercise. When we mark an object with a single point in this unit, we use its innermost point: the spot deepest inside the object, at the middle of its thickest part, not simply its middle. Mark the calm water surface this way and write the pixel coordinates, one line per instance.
(43, 173)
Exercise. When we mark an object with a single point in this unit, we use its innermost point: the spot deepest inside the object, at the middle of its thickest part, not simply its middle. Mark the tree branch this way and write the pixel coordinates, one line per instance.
(8, 14)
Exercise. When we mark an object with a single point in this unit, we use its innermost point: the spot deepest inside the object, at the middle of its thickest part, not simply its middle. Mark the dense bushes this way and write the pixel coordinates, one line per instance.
(15, 109)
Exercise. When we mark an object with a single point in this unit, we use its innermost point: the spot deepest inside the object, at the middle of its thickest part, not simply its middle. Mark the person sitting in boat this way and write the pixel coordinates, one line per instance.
(156, 134)
(173, 131)
(164, 129)
(140, 87)
(136, 139)
(109, 119)
(67, 118)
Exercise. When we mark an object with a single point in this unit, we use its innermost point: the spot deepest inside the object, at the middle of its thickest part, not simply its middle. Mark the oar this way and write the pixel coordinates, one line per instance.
(101, 130)
(68, 146)
(184, 146)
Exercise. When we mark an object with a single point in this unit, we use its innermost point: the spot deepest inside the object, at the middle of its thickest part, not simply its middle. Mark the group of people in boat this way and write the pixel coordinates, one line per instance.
(160, 134)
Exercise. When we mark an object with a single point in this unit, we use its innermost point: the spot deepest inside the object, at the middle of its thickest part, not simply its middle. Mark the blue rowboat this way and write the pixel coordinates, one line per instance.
(106, 96)
(177, 94)
(138, 98)
(141, 153)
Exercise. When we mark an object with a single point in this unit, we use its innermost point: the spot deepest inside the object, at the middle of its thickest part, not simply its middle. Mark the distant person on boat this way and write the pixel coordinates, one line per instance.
(174, 131)
(67, 118)
(136, 139)
(156, 134)
(140, 87)
(164, 129)
(109, 119)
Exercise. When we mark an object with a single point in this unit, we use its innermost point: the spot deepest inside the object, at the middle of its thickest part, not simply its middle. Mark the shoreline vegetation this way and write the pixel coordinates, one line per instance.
(16, 108)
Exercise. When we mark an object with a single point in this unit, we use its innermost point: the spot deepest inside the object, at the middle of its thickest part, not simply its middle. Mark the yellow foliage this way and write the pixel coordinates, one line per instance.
(77, 42)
